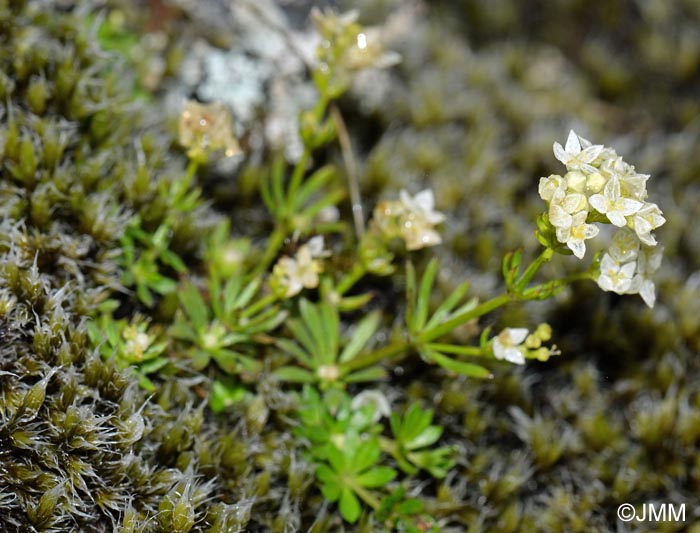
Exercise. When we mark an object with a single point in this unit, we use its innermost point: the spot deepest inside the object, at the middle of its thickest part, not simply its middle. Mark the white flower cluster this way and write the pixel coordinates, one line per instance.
(516, 344)
(292, 274)
(412, 218)
(602, 184)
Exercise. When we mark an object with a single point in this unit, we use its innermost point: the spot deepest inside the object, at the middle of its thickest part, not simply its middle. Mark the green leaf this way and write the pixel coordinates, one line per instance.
(327, 200)
(355, 302)
(366, 454)
(153, 365)
(144, 295)
(170, 258)
(458, 367)
(146, 383)
(349, 505)
(373, 373)
(294, 374)
(296, 351)
(313, 184)
(376, 477)
(200, 359)
(410, 297)
(364, 331)
(330, 483)
(162, 285)
(247, 294)
(446, 306)
(224, 395)
(426, 287)
(427, 437)
(193, 304)
(330, 322)
(302, 334)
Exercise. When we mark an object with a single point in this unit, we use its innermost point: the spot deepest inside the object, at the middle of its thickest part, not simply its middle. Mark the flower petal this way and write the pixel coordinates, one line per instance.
(573, 145)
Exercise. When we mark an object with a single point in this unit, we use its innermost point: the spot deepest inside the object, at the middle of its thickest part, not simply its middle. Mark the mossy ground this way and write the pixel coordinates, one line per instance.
(472, 112)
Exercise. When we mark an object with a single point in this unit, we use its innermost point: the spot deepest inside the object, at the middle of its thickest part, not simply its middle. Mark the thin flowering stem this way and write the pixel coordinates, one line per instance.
(351, 167)
(549, 287)
(352, 277)
(392, 352)
(274, 243)
(397, 350)
(474, 351)
(300, 168)
(533, 268)
(190, 173)
(480, 310)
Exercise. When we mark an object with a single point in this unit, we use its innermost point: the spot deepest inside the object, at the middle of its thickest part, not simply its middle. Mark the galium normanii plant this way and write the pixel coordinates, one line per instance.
(351, 455)
(357, 460)
(133, 343)
(318, 349)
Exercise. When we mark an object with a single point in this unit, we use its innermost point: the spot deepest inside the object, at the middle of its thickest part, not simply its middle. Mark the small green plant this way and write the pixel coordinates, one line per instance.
(414, 434)
(145, 256)
(132, 343)
(226, 327)
(353, 457)
(318, 350)
(239, 321)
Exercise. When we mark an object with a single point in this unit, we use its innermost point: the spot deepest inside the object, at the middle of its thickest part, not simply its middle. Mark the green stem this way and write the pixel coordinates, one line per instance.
(457, 350)
(346, 283)
(463, 318)
(190, 173)
(395, 351)
(274, 243)
(398, 350)
(533, 268)
(535, 291)
(388, 445)
(363, 493)
(300, 168)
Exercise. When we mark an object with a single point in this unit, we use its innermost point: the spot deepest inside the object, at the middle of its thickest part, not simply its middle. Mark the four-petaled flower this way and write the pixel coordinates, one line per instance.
(613, 205)
(576, 157)
(292, 274)
(576, 233)
(615, 276)
(648, 262)
(507, 345)
(644, 221)
(418, 220)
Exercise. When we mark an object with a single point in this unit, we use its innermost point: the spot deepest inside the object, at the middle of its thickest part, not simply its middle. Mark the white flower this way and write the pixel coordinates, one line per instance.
(575, 181)
(549, 185)
(612, 204)
(300, 272)
(372, 397)
(574, 156)
(614, 276)
(595, 182)
(647, 219)
(417, 222)
(576, 233)
(564, 205)
(648, 262)
(506, 345)
(625, 246)
(423, 205)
